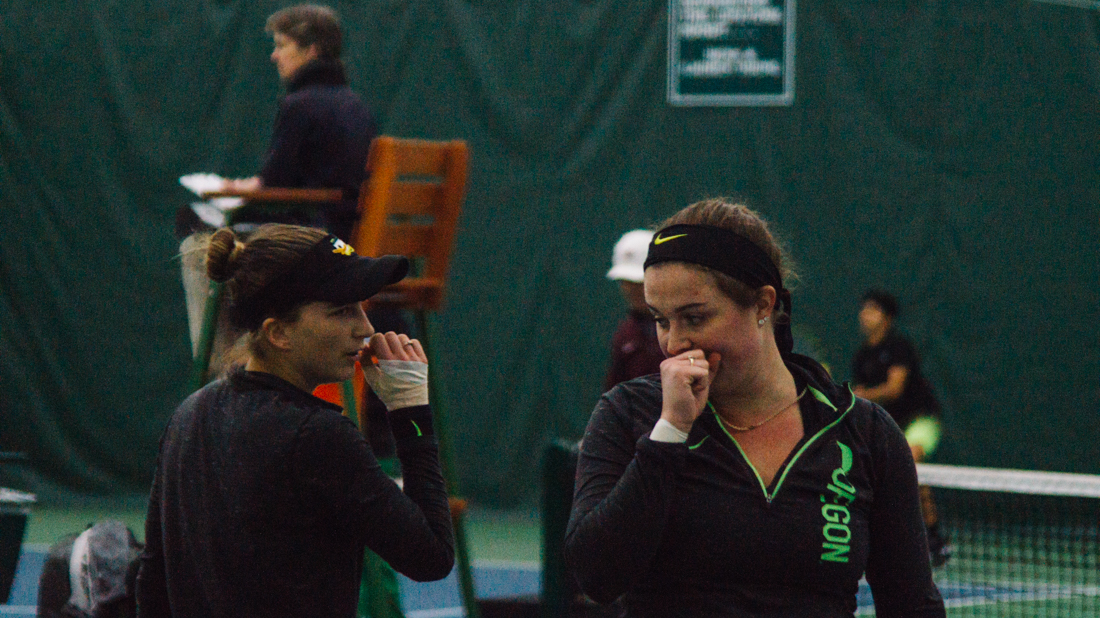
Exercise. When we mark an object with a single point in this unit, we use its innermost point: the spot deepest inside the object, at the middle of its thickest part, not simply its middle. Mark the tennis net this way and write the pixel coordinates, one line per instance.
(1023, 543)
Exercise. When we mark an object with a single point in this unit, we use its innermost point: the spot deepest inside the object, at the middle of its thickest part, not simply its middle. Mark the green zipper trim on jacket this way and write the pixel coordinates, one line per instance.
(746, 458)
(818, 395)
(698, 444)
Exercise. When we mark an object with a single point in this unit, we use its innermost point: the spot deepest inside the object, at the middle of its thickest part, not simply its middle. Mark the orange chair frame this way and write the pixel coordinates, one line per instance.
(409, 205)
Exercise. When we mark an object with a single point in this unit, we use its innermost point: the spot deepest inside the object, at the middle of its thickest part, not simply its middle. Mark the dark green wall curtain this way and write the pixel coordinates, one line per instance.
(947, 151)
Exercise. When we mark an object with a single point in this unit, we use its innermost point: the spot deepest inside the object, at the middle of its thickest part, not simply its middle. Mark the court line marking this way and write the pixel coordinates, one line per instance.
(442, 612)
(508, 565)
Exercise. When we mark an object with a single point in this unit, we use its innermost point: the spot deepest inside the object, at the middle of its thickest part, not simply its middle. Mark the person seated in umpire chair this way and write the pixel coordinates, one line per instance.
(321, 139)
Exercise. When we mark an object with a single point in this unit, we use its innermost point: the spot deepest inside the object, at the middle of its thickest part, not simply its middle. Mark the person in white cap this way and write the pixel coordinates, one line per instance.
(634, 348)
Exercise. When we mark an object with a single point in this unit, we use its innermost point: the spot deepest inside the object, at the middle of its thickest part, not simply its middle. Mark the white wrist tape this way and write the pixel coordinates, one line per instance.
(665, 431)
(399, 384)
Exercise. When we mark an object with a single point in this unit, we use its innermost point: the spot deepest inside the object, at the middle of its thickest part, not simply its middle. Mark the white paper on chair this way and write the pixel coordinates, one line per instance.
(211, 211)
(12, 496)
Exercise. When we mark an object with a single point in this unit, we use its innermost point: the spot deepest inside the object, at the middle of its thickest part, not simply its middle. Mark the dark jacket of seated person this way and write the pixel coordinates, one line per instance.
(322, 135)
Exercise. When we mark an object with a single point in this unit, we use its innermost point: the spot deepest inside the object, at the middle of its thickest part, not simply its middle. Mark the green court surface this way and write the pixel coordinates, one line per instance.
(47, 524)
(493, 535)
(505, 548)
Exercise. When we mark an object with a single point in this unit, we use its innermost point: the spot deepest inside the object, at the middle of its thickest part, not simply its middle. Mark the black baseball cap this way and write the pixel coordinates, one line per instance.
(331, 271)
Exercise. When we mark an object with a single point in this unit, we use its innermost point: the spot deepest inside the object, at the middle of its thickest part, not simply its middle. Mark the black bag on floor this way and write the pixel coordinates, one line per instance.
(91, 575)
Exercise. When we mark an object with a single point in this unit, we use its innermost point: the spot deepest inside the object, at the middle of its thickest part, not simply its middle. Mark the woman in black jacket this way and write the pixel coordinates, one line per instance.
(741, 481)
(265, 496)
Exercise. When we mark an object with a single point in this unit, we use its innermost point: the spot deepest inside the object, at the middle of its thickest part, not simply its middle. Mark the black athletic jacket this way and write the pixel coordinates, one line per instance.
(265, 497)
(690, 530)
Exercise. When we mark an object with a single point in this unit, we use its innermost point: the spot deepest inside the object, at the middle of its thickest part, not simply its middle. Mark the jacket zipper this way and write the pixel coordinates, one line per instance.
(818, 395)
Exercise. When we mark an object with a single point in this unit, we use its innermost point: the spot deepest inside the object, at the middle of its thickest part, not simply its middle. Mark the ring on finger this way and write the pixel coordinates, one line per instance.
(691, 359)
(407, 343)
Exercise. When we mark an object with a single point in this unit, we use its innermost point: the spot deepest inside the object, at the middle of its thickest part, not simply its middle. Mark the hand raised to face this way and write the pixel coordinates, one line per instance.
(685, 385)
(392, 346)
(399, 371)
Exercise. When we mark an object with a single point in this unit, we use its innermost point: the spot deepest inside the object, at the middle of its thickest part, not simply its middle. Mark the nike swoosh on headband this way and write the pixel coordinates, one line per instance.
(660, 240)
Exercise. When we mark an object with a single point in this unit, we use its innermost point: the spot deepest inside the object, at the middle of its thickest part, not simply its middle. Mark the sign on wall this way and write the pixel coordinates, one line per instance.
(731, 52)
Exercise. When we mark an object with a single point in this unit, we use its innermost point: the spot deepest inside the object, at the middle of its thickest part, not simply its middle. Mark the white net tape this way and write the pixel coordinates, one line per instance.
(1010, 481)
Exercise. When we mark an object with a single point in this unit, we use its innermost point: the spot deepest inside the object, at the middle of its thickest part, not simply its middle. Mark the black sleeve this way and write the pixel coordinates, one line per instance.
(902, 353)
(54, 588)
(152, 579)
(858, 379)
(283, 166)
(898, 566)
(621, 503)
(410, 529)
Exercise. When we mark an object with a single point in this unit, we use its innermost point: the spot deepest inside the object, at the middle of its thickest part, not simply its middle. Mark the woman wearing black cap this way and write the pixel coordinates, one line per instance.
(265, 496)
(742, 480)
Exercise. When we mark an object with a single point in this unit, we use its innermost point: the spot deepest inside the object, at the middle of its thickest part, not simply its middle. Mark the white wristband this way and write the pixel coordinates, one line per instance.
(399, 384)
(665, 431)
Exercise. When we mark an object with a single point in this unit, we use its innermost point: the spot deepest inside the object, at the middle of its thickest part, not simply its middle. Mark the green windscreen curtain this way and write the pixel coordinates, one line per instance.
(947, 151)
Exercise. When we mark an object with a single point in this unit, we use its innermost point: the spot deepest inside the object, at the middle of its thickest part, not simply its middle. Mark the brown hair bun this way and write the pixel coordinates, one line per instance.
(222, 254)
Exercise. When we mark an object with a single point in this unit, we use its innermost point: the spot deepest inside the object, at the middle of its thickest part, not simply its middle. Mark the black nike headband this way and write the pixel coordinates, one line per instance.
(729, 253)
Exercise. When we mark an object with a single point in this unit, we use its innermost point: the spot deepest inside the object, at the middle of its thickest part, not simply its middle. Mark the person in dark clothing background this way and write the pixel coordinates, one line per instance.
(741, 480)
(265, 496)
(321, 138)
(634, 348)
(886, 370)
(323, 129)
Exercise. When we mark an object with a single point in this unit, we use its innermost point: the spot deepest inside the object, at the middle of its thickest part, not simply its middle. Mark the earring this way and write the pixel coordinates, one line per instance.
(762, 320)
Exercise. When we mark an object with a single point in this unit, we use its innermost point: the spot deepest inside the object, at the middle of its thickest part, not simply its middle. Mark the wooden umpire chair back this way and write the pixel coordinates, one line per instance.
(409, 205)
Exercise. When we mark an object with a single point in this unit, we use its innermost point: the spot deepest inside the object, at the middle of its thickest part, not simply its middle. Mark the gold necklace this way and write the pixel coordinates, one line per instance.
(763, 422)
